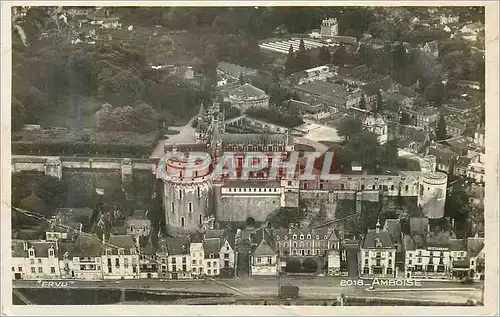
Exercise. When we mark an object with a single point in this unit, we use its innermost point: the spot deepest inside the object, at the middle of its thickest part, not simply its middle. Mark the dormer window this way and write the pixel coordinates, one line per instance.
(309, 237)
(301, 237)
(325, 237)
(378, 243)
(51, 252)
(32, 252)
(277, 237)
(294, 237)
(317, 237)
(120, 251)
(286, 238)
(211, 255)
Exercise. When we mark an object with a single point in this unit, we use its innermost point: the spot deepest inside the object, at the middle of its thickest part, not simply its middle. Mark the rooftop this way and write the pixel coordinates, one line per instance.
(247, 91)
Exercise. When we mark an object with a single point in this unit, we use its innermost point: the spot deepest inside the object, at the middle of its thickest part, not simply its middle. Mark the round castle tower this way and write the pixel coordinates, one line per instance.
(187, 191)
(432, 194)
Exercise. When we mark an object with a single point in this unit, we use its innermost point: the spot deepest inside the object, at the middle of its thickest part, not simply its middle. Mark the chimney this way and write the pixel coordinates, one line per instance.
(81, 226)
(453, 224)
(428, 227)
(378, 226)
(103, 238)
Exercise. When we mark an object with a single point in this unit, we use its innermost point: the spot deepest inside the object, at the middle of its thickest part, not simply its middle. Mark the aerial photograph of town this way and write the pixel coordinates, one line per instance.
(248, 155)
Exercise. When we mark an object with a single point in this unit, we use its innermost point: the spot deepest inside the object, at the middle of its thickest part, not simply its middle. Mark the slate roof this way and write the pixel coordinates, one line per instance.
(457, 245)
(443, 156)
(372, 235)
(271, 183)
(414, 242)
(382, 84)
(42, 248)
(234, 69)
(263, 243)
(393, 226)
(406, 91)
(438, 239)
(87, 246)
(463, 161)
(122, 241)
(251, 138)
(211, 246)
(177, 246)
(247, 91)
(474, 246)
(419, 225)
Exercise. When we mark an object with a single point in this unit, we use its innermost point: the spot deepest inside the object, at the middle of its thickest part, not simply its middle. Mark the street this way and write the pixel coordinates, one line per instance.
(312, 287)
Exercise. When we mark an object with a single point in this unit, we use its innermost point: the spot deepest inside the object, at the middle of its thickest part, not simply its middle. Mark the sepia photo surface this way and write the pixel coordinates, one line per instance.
(292, 158)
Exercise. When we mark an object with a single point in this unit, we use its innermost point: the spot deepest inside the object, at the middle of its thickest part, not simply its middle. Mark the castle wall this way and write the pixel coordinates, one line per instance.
(238, 207)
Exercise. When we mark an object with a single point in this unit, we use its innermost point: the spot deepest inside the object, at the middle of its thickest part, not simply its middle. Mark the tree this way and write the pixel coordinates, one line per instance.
(310, 265)
(293, 265)
(18, 115)
(389, 153)
(363, 147)
(303, 58)
(441, 133)
(52, 191)
(290, 63)
(349, 127)
(241, 79)
(405, 119)
(145, 118)
(434, 93)
(324, 56)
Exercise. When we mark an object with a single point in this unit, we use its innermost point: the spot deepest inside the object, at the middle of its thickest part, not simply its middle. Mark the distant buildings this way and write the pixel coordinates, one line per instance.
(469, 84)
(448, 19)
(378, 125)
(329, 28)
(454, 129)
(248, 96)
(120, 259)
(431, 49)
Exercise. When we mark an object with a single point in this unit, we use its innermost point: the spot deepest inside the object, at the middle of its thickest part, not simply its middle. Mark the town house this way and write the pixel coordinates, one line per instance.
(42, 261)
(377, 255)
(120, 259)
(82, 259)
(305, 242)
(148, 261)
(427, 253)
(476, 254)
(263, 258)
(211, 249)
(248, 96)
(179, 258)
(138, 224)
(197, 255)
(19, 259)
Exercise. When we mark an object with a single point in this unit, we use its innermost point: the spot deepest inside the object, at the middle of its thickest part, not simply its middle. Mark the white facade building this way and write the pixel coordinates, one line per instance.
(120, 259)
(377, 255)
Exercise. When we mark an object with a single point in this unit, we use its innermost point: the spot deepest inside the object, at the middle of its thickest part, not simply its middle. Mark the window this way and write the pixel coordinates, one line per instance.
(172, 207)
(39, 261)
(32, 253)
(285, 245)
(317, 251)
(366, 270)
(226, 255)
(190, 207)
(134, 269)
(40, 269)
(295, 244)
(294, 237)
(472, 262)
(199, 192)
(13, 269)
(390, 253)
(32, 261)
(309, 237)
(419, 260)
(409, 262)
(392, 187)
(317, 237)
(389, 270)
(440, 268)
(366, 261)
(20, 269)
(367, 254)
(209, 264)
(301, 244)
(52, 270)
(117, 262)
(406, 188)
(51, 252)
(209, 272)
(259, 259)
(390, 262)
(180, 193)
(183, 222)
